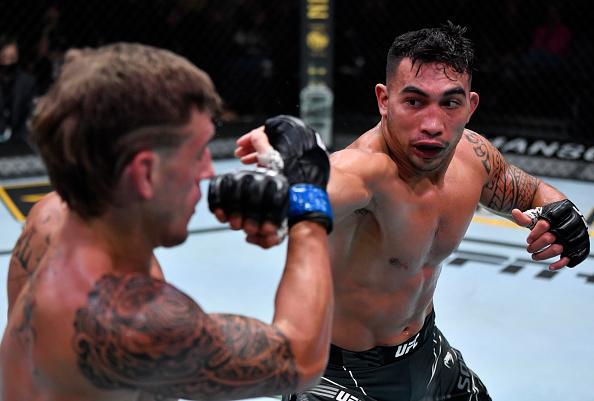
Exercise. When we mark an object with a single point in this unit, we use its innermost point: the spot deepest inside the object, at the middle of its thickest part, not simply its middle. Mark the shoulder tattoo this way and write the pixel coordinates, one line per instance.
(23, 250)
(136, 332)
(480, 148)
(25, 331)
(508, 187)
(32, 245)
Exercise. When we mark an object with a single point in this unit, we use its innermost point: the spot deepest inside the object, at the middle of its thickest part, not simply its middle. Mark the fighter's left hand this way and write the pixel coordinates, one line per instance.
(556, 229)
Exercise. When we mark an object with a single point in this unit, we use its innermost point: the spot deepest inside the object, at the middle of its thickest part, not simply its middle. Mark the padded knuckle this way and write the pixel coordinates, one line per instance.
(570, 230)
(255, 195)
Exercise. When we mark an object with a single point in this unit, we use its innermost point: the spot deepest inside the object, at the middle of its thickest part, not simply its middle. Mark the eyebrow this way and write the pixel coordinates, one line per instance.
(413, 89)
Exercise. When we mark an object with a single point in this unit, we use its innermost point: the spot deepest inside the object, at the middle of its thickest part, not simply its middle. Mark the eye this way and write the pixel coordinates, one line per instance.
(452, 103)
(413, 102)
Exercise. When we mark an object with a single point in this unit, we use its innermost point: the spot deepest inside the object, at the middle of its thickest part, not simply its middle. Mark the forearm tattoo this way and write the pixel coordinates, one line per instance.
(140, 333)
(508, 187)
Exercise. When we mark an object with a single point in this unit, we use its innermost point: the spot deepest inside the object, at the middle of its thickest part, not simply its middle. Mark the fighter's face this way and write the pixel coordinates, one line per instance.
(183, 172)
(425, 111)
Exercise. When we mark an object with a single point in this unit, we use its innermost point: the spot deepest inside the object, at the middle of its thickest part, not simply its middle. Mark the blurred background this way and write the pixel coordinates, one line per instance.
(534, 63)
(522, 328)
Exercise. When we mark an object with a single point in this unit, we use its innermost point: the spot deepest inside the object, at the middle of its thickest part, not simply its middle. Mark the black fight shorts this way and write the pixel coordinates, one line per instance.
(424, 368)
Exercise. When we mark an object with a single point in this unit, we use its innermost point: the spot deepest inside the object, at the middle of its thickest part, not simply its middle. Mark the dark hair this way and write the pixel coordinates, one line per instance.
(445, 44)
(107, 105)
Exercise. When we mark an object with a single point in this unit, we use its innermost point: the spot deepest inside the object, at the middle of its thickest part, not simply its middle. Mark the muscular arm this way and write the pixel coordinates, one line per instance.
(138, 332)
(507, 187)
(348, 191)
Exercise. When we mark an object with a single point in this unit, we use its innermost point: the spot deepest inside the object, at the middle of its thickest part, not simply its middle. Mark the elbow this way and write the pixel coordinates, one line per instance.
(311, 361)
(310, 374)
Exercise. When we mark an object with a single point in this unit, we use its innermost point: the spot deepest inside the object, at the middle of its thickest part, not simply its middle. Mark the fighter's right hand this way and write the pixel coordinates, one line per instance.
(299, 153)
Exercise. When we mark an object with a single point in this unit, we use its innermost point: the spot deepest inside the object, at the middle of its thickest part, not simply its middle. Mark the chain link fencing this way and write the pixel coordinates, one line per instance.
(534, 57)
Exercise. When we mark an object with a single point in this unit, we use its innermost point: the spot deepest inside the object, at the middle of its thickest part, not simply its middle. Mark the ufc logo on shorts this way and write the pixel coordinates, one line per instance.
(342, 396)
(332, 393)
(405, 348)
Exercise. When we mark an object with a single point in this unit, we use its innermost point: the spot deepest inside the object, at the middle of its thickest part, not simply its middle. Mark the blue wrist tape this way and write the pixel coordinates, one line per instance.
(307, 199)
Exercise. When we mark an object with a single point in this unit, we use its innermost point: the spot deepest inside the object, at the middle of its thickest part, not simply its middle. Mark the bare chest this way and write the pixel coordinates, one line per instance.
(407, 233)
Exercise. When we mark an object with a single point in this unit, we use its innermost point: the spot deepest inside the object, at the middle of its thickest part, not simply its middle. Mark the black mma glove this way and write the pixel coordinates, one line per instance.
(569, 227)
(261, 195)
(304, 161)
(301, 148)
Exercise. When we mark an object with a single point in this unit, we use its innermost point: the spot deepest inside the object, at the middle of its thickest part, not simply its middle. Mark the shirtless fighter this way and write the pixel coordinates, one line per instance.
(403, 195)
(124, 133)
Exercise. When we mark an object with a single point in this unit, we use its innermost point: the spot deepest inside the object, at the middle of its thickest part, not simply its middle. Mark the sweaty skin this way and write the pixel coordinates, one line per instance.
(92, 320)
(42, 225)
(403, 195)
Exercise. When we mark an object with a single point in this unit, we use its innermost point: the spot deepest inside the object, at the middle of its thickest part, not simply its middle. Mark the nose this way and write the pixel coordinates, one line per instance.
(206, 169)
(432, 121)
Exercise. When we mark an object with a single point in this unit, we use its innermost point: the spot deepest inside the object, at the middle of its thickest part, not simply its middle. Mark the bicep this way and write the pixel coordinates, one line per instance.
(348, 191)
(506, 186)
(141, 333)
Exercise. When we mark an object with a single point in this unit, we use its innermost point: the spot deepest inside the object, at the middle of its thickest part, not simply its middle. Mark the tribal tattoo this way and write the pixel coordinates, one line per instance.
(137, 332)
(508, 187)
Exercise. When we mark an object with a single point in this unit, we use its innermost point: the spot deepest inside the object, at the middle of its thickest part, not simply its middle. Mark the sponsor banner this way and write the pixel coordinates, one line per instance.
(548, 157)
(545, 148)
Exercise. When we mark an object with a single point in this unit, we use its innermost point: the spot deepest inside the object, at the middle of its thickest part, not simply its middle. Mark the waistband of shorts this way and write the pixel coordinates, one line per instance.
(382, 355)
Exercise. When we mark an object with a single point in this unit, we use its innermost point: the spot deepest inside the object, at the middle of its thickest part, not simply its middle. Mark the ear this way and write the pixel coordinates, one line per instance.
(381, 94)
(142, 173)
(474, 101)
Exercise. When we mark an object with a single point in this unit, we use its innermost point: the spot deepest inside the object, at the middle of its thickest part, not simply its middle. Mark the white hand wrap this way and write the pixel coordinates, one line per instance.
(534, 215)
(272, 160)
(283, 230)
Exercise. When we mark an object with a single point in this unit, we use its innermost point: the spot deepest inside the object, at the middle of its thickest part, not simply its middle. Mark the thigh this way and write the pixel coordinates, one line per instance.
(331, 389)
(452, 378)
(322, 393)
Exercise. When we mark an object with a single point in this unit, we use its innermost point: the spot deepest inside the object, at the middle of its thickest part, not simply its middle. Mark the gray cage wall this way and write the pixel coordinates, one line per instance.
(534, 74)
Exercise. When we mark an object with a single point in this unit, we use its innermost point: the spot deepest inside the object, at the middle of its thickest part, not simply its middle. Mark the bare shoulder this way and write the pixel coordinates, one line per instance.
(160, 341)
(43, 221)
(365, 157)
(48, 209)
(478, 152)
(474, 147)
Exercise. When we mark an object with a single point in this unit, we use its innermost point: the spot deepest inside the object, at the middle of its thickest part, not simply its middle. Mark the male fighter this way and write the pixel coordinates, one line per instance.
(403, 195)
(124, 134)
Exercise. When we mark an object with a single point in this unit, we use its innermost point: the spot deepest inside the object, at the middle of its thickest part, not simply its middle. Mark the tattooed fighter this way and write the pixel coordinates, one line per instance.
(124, 133)
(403, 195)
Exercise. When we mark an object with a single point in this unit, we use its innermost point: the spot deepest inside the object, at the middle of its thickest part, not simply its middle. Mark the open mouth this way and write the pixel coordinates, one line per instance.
(428, 150)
